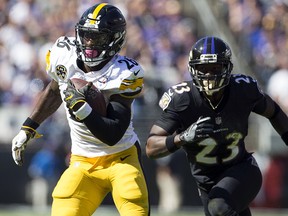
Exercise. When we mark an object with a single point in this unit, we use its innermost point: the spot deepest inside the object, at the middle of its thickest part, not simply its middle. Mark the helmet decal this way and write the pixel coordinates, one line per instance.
(205, 46)
(94, 19)
(212, 46)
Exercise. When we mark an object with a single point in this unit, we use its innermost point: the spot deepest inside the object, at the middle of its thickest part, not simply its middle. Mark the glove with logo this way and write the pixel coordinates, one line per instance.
(201, 129)
(20, 141)
(74, 96)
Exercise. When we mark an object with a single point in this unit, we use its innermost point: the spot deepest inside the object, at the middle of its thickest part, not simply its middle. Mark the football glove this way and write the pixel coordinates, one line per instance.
(20, 141)
(201, 129)
(74, 96)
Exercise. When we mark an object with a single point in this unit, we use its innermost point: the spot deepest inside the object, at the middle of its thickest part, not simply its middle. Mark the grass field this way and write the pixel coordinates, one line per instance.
(111, 211)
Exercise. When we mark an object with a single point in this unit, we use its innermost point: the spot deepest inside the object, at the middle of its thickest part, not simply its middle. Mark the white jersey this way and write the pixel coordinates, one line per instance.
(121, 75)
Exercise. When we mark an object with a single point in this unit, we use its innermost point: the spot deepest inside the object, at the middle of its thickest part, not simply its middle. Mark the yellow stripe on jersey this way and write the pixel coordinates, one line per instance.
(131, 84)
(131, 94)
(48, 60)
(96, 11)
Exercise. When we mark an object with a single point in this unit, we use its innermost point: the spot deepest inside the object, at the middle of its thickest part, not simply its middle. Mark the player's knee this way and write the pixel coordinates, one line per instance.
(69, 207)
(219, 207)
(135, 209)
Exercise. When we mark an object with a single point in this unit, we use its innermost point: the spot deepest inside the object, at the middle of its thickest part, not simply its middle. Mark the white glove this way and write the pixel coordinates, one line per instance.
(198, 130)
(20, 141)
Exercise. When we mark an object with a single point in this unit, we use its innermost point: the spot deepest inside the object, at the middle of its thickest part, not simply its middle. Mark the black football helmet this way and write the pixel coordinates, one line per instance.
(210, 64)
(104, 26)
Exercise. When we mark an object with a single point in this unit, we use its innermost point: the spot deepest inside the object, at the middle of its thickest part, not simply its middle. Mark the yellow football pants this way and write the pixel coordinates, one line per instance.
(87, 181)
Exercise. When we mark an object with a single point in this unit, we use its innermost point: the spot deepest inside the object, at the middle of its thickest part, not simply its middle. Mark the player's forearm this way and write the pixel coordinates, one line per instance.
(277, 118)
(280, 123)
(48, 102)
(155, 147)
(161, 146)
(109, 129)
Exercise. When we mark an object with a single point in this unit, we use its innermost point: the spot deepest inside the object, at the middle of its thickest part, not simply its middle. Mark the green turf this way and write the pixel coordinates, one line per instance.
(111, 211)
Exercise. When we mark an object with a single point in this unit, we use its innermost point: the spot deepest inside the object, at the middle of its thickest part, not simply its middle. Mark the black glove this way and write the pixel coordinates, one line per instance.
(74, 96)
(198, 130)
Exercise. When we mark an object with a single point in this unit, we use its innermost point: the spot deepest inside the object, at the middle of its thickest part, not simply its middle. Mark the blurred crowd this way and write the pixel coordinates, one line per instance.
(261, 30)
(160, 35)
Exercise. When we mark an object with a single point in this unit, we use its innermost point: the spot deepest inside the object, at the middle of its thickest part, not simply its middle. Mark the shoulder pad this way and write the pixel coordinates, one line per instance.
(243, 80)
(246, 84)
(132, 76)
(176, 97)
(60, 57)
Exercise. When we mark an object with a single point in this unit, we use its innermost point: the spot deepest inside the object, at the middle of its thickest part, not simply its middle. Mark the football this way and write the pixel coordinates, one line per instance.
(94, 98)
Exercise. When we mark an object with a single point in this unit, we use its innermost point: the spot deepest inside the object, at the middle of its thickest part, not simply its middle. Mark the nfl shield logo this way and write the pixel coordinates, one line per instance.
(218, 120)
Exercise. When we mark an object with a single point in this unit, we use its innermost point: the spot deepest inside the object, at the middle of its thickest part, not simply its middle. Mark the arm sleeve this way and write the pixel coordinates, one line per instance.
(280, 122)
(109, 129)
(271, 110)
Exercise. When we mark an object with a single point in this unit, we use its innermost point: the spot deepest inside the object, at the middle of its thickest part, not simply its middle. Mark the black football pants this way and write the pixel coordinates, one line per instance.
(234, 190)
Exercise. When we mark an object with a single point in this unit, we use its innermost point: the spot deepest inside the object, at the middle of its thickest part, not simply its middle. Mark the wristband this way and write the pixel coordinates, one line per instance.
(83, 111)
(30, 126)
(31, 123)
(284, 137)
(170, 145)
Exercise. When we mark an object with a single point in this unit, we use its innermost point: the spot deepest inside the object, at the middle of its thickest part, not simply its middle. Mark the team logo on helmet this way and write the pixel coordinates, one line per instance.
(92, 22)
(61, 71)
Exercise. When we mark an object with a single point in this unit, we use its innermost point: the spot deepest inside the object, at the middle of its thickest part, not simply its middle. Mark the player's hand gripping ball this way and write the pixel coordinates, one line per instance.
(93, 97)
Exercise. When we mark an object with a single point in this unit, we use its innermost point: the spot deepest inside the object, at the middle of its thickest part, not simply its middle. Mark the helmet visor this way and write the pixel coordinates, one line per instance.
(90, 38)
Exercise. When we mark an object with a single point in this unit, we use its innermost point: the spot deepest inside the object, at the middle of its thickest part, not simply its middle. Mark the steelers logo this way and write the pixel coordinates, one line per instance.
(61, 72)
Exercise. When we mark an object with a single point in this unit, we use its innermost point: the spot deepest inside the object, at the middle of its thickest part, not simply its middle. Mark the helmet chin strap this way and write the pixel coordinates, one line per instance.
(210, 92)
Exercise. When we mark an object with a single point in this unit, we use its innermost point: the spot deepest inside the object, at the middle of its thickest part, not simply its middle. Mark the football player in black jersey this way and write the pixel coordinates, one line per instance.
(208, 118)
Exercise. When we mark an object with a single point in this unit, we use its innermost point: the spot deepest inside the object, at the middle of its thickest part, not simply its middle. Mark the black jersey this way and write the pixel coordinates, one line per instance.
(183, 104)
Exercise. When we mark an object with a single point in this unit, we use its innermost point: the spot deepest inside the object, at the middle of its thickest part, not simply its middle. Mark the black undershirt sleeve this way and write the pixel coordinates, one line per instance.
(278, 119)
(169, 121)
(109, 129)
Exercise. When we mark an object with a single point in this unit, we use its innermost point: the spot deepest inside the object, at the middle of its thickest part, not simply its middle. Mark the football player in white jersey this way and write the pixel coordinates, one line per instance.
(105, 154)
